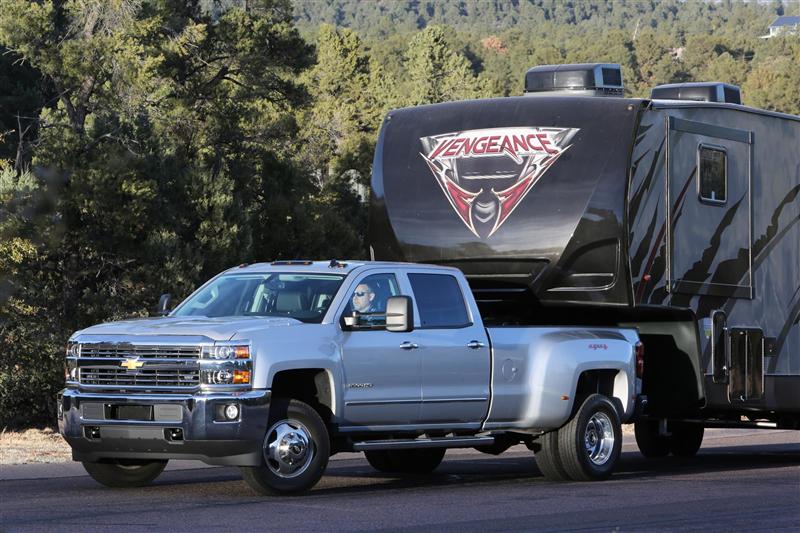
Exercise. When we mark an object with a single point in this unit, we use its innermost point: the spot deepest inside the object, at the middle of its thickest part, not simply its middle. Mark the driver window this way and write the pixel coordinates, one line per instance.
(370, 296)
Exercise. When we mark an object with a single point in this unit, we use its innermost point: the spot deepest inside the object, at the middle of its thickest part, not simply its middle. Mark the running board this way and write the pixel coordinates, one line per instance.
(732, 424)
(436, 442)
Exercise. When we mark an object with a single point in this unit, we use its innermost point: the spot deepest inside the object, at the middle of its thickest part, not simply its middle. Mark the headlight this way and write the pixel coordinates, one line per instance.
(73, 349)
(226, 364)
(71, 363)
(218, 377)
(226, 352)
(227, 375)
(71, 370)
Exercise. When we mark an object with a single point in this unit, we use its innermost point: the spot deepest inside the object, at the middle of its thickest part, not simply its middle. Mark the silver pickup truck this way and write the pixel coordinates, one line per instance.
(273, 367)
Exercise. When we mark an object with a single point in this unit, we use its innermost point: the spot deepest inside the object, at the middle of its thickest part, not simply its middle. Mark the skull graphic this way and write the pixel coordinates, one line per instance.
(486, 173)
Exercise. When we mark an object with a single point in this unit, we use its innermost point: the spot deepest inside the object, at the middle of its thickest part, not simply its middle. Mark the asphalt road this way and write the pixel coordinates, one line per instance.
(740, 481)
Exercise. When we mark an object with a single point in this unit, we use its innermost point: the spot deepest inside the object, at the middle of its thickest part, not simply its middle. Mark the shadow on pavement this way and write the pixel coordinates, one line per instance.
(354, 476)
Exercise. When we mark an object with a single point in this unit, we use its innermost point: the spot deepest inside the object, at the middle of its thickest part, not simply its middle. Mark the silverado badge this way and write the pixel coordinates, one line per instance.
(485, 174)
(132, 364)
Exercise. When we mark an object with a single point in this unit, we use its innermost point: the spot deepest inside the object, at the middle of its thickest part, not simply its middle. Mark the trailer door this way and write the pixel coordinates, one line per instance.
(709, 237)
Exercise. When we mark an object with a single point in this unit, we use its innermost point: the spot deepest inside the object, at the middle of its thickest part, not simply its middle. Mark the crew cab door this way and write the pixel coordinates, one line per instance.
(454, 348)
(382, 384)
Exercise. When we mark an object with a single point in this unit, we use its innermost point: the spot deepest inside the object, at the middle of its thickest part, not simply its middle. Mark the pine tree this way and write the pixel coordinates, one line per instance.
(437, 73)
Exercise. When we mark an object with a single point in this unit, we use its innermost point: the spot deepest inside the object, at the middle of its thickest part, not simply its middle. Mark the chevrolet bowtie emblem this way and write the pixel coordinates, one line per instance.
(132, 364)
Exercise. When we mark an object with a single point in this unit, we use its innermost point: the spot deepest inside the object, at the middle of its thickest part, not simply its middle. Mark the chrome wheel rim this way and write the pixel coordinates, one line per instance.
(599, 438)
(288, 448)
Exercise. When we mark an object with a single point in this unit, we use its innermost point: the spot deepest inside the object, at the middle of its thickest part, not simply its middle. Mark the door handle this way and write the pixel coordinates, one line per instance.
(409, 345)
(475, 345)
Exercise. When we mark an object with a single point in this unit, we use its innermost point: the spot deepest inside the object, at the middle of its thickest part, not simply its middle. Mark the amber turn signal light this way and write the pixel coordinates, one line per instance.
(241, 377)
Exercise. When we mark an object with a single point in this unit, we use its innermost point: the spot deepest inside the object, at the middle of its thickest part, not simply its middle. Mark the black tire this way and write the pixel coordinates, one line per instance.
(125, 473)
(596, 422)
(650, 443)
(298, 463)
(686, 438)
(548, 459)
(419, 461)
(379, 460)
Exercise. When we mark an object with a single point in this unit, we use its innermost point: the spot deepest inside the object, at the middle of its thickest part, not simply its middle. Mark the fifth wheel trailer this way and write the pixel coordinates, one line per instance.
(677, 215)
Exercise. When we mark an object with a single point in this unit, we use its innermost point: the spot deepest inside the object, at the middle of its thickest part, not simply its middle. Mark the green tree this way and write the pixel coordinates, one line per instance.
(654, 62)
(774, 84)
(344, 111)
(437, 73)
(166, 157)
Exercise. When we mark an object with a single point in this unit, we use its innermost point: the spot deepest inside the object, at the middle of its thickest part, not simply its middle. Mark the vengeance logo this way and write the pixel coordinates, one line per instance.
(485, 174)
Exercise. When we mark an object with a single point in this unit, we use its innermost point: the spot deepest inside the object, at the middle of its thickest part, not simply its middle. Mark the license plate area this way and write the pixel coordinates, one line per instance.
(130, 412)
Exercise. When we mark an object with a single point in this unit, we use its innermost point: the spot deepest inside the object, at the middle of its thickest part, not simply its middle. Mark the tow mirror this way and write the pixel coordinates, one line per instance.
(163, 304)
(399, 314)
(352, 321)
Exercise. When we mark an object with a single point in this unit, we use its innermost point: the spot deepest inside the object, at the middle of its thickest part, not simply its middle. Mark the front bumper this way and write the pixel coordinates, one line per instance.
(90, 424)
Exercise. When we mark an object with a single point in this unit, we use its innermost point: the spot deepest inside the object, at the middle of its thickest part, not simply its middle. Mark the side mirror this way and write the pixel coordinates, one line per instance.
(399, 314)
(163, 304)
(352, 321)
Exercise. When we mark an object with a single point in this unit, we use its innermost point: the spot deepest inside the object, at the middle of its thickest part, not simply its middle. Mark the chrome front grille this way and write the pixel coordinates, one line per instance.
(146, 367)
(120, 377)
(141, 351)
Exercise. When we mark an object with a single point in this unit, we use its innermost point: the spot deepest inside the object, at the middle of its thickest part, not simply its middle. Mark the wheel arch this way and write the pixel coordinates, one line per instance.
(314, 386)
(674, 372)
(612, 383)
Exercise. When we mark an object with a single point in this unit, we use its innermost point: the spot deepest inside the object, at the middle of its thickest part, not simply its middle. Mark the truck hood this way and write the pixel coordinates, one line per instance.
(218, 329)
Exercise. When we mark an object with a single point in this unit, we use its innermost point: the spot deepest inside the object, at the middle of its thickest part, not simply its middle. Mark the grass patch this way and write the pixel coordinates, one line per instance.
(33, 446)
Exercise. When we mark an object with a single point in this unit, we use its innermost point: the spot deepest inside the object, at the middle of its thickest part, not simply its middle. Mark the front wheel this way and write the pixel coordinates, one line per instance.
(295, 453)
(124, 473)
(590, 444)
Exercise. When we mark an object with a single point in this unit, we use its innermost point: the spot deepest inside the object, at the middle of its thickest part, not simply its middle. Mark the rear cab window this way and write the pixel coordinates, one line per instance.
(440, 301)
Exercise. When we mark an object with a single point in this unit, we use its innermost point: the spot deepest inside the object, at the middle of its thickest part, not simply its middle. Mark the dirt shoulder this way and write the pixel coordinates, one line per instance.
(33, 446)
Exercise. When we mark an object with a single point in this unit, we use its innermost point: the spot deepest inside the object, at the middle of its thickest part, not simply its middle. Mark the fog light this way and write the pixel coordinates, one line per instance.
(232, 411)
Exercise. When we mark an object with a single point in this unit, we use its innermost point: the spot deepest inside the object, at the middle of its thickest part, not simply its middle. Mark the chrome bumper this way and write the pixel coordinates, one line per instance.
(177, 426)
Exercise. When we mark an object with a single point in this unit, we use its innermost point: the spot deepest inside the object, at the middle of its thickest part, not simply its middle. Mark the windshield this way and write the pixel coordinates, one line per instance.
(305, 297)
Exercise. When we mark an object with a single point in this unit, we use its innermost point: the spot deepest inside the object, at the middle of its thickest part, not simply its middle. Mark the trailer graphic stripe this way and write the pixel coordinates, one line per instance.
(644, 187)
(700, 270)
(662, 231)
(764, 245)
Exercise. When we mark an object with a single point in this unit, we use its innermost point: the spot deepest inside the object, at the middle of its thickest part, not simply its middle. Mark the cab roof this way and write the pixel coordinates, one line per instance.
(332, 266)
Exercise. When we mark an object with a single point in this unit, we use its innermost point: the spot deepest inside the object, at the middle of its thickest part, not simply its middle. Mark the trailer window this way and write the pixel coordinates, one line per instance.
(713, 178)
(440, 302)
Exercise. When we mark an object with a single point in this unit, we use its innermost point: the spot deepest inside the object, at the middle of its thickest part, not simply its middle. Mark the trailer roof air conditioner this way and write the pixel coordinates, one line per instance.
(585, 79)
(707, 91)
